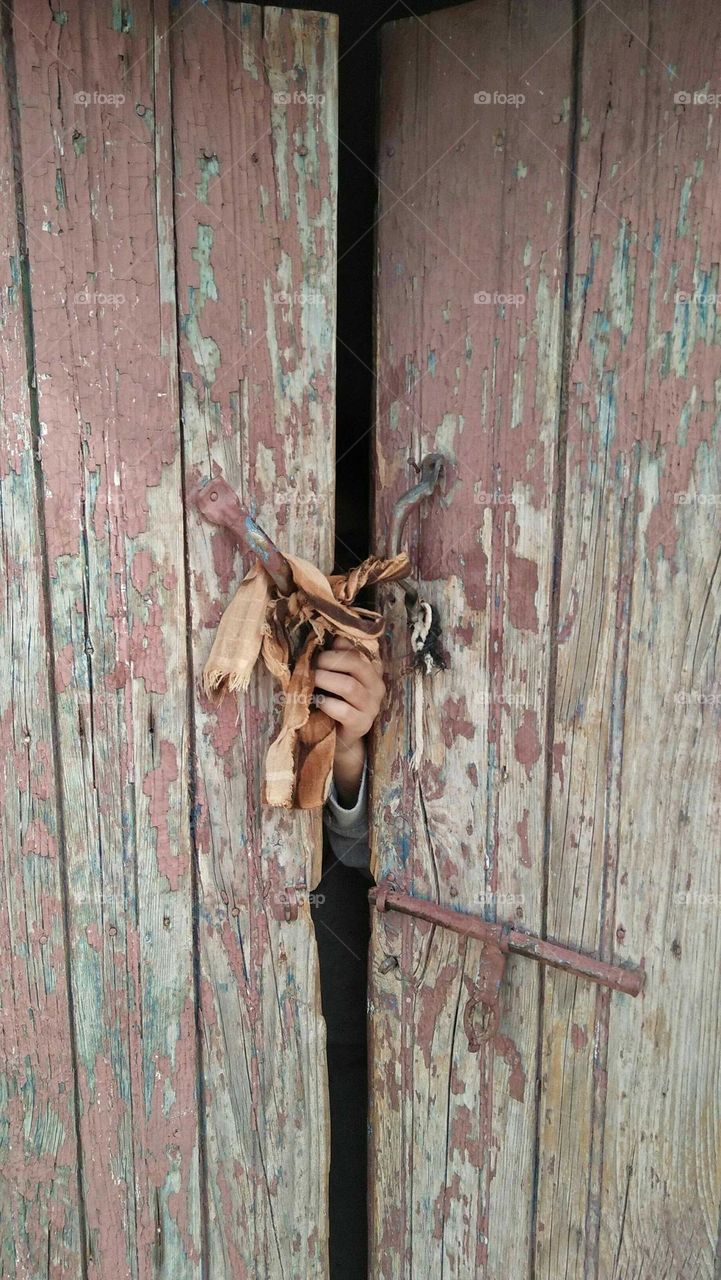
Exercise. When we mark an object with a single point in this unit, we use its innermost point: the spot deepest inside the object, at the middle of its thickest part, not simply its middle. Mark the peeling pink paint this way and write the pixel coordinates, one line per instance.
(507, 1050)
(579, 1037)
(455, 720)
(171, 862)
(147, 651)
(465, 1135)
(37, 839)
(527, 745)
(64, 663)
(442, 1205)
(522, 591)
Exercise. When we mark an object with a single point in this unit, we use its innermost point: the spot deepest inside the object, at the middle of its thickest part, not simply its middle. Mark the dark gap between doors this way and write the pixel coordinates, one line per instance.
(341, 919)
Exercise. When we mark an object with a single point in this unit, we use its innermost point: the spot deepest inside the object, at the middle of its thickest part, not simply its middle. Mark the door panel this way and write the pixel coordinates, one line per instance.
(570, 778)
(39, 1186)
(255, 222)
(173, 314)
(102, 328)
(471, 262)
(630, 1158)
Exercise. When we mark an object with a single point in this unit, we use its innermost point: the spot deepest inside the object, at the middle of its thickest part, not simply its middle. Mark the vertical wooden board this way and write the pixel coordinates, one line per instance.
(255, 116)
(630, 1172)
(471, 261)
(94, 118)
(40, 1224)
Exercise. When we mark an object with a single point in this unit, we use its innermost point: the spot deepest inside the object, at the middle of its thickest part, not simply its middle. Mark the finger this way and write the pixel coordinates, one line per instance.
(344, 686)
(342, 643)
(355, 664)
(337, 709)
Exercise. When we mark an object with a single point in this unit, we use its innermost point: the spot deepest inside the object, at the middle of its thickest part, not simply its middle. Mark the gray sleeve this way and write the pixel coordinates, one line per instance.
(348, 828)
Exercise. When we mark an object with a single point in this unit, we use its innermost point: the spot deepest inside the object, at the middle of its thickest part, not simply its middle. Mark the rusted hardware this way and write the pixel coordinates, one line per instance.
(387, 898)
(431, 470)
(485, 995)
(284, 902)
(221, 505)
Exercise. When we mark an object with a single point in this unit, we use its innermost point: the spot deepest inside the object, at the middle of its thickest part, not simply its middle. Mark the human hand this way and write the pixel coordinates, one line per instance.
(350, 689)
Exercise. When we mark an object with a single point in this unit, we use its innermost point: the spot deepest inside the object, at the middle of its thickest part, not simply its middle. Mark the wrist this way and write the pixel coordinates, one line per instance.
(348, 764)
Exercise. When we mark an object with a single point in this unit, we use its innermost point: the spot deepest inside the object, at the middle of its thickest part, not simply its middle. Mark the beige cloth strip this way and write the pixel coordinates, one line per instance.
(259, 621)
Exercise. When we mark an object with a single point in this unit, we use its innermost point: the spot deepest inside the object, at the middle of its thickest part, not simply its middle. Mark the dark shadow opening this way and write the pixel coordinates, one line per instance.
(341, 914)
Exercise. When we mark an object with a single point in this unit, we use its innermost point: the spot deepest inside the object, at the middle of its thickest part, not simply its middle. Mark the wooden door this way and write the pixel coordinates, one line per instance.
(168, 310)
(548, 318)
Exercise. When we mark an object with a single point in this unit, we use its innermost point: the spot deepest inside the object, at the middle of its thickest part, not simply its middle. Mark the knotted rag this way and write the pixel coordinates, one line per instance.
(287, 631)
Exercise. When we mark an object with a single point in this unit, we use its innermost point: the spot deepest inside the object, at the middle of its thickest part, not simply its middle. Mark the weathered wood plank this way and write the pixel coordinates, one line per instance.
(94, 116)
(630, 1171)
(471, 267)
(40, 1217)
(255, 103)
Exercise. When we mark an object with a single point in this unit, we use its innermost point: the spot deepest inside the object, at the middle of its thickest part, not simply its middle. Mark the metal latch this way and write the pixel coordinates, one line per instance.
(431, 470)
(221, 505)
(423, 619)
(499, 939)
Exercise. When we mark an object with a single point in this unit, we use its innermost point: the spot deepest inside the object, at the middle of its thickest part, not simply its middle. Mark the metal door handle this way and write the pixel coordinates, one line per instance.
(498, 940)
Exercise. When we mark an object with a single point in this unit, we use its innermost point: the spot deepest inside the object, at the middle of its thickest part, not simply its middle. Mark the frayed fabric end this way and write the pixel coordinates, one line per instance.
(217, 682)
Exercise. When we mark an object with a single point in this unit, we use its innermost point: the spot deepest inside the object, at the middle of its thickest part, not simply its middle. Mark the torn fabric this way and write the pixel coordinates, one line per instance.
(287, 631)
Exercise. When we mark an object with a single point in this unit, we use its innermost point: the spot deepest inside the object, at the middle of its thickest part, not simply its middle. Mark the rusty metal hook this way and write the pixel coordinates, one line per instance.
(431, 470)
(221, 505)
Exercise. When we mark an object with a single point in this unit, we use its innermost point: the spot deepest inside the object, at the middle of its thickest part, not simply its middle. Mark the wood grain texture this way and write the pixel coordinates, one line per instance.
(93, 92)
(40, 1205)
(622, 635)
(186, 1048)
(255, 105)
(471, 261)
(630, 1159)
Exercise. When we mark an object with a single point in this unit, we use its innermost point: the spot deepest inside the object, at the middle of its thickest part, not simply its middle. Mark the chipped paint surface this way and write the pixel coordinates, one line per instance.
(103, 334)
(97, 839)
(256, 262)
(486, 306)
(40, 1193)
(636, 762)
(571, 779)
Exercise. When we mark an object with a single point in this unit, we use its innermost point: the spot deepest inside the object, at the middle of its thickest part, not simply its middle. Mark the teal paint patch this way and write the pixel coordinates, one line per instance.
(61, 17)
(60, 189)
(682, 220)
(201, 254)
(680, 334)
(683, 424)
(403, 848)
(206, 352)
(14, 286)
(79, 143)
(665, 365)
(209, 168)
(122, 20)
(607, 410)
